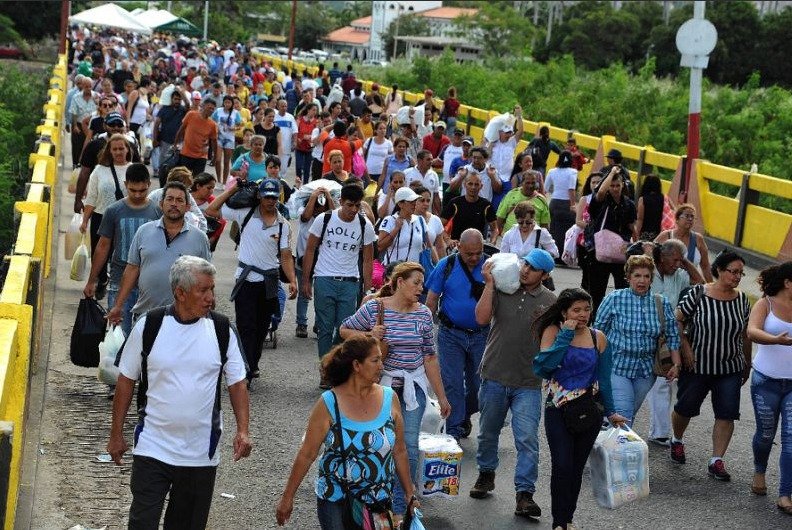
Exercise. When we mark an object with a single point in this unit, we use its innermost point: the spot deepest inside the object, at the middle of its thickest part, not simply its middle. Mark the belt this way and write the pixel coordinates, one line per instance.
(354, 279)
(445, 321)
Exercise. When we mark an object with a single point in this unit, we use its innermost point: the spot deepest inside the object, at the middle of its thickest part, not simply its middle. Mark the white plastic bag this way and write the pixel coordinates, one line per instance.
(75, 175)
(439, 465)
(81, 263)
(506, 272)
(336, 95)
(73, 236)
(108, 350)
(403, 115)
(619, 467)
(569, 255)
(494, 126)
(300, 197)
(432, 422)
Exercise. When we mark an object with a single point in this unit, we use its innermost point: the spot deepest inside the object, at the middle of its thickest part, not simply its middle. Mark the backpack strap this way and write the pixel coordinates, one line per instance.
(362, 219)
(223, 330)
(326, 221)
(538, 235)
(449, 266)
(151, 328)
(246, 220)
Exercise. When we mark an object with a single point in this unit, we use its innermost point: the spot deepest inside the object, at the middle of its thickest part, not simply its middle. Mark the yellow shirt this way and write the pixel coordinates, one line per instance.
(247, 122)
(366, 129)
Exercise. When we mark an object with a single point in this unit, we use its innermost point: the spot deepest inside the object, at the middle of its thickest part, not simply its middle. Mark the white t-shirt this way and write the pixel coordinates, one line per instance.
(376, 155)
(429, 180)
(259, 245)
(340, 248)
(288, 128)
(512, 242)
(408, 244)
(449, 154)
(434, 226)
(101, 187)
(503, 157)
(560, 180)
(183, 367)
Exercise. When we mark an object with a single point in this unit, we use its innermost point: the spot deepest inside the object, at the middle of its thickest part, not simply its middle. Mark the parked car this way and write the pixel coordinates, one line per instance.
(12, 51)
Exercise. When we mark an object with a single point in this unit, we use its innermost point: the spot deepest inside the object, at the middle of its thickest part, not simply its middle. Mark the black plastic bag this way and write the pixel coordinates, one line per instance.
(246, 197)
(87, 333)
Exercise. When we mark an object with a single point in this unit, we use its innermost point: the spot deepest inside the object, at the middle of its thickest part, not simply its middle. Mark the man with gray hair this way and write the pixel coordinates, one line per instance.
(673, 274)
(457, 283)
(179, 353)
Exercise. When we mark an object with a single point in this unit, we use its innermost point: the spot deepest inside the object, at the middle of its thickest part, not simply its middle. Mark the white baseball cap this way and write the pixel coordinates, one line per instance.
(405, 194)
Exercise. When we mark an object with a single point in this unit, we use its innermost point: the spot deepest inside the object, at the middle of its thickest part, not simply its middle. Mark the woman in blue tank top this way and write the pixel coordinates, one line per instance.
(361, 464)
(576, 364)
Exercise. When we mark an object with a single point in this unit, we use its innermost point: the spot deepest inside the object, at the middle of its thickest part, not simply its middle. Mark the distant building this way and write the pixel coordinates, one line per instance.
(464, 50)
(363, 38)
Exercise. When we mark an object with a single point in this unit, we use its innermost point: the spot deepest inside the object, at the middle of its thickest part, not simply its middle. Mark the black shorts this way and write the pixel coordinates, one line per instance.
(693, 389)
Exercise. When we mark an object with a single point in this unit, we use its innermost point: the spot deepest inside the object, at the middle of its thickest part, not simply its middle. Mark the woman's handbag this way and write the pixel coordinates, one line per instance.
(583, 414)
(358, 515)
(662, 358)
(383, 346)
(608, 245)
(425, 257)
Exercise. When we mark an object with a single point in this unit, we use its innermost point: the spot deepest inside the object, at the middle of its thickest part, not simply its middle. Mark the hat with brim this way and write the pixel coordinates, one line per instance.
(114, 118)
(405, 194)
(540, 260)
(269, 188)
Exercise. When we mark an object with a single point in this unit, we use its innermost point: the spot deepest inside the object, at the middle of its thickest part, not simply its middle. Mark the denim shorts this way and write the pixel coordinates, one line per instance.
(226, 142)
(693, 389)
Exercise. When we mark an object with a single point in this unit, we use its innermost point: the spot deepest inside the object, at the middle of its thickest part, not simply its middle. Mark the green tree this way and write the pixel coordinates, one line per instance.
(34, 19)
(771, 49)
(404, 25)
(352, 11)
(738, 25)
(499, 28)
(314, 21)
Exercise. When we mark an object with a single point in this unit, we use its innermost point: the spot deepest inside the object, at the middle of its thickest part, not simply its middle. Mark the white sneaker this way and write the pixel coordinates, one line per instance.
(663, 442)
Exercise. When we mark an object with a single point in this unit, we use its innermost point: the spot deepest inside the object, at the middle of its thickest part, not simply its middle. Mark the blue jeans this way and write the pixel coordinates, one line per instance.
(629, 393)
(460, 356)
(772, 398)
(276, 318)
(126, 314)
(412, 427)
(526, 408)
(302, 165)
(302, 301)
(334, 301)
(330, 514)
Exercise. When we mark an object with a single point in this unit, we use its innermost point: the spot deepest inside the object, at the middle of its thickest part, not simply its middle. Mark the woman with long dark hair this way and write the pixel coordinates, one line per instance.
(369, 418)
(770, 327)
(561, 182)
(577, 363)
(649, 209)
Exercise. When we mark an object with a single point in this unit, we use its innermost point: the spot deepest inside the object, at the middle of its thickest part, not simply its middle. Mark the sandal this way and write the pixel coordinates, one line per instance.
(785, 509)
(758, 490)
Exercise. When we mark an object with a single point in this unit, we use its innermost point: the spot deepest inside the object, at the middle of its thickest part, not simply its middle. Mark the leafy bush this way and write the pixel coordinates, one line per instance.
(21, 96)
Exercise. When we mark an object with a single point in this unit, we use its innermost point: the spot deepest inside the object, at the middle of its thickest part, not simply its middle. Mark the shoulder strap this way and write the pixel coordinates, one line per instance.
(245, 221)
(118, 193)
(538, 235)
(691, 249)
(223, 331)
(325, 222)
(151, 328)
(277, 245)
(594, 338)
(658, 299)
(340, 434)
(449, 266)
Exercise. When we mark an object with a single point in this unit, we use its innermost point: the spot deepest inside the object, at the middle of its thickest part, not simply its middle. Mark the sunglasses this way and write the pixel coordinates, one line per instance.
(526, 222)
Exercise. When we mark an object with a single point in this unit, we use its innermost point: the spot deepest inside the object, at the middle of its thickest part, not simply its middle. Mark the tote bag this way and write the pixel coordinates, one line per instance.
(608, 245)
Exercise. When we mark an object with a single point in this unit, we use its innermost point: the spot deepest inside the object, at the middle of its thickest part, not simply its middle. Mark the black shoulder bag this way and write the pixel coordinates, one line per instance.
(584, 413)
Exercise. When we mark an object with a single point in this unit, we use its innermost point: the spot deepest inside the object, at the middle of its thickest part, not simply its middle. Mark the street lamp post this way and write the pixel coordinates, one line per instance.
(695, 40)
(400, 8)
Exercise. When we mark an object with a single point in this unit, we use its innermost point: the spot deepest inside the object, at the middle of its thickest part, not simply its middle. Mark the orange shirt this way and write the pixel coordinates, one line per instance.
(341, 144)
(197, 133)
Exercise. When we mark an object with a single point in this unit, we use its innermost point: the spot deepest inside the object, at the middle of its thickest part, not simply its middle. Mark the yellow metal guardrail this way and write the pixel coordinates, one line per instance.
(20, 298)
(736, 220)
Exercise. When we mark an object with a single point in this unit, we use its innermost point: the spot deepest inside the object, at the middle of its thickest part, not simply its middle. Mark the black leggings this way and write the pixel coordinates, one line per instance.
(253, 317)
(598, 276)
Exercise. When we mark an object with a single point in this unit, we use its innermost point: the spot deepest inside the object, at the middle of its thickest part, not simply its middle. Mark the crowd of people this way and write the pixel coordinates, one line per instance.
(386, 227)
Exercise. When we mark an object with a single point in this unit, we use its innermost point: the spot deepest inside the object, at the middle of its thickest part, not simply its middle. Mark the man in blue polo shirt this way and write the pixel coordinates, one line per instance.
(457, 283)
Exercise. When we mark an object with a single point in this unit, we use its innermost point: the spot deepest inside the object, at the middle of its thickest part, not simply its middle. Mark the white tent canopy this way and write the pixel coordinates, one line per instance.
(154, 18)
(111, 16)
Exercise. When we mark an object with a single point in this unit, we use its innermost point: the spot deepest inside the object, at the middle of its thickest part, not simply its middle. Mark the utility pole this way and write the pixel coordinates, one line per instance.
(206, 20)
(550, 11)
(64, 25)
(291, 27)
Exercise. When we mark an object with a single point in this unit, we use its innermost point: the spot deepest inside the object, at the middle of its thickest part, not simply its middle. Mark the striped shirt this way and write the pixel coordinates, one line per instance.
(717, 328)
(632, 326)
(410, 336)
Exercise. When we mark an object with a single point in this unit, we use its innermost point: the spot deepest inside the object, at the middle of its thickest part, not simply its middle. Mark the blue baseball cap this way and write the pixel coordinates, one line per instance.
(540, 259)
(269, 188)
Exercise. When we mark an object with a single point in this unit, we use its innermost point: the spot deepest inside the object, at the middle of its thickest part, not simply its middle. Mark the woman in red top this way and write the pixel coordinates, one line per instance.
(450, 111)
(306, 123)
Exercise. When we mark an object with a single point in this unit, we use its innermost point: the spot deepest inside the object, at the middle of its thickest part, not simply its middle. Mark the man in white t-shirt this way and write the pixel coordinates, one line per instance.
(344, 241)
(288, 135)
(264, 237)
(450, 153)
(423, 173)
(177, 436)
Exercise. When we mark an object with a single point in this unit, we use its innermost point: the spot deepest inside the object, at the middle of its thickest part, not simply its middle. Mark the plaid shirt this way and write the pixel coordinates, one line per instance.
(632, 326)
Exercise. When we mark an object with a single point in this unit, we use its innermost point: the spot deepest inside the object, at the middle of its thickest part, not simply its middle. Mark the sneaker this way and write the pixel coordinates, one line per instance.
(718, 471)
(255, 374)
(678, 452)
(301, 331)
(467, 426)
(663, 442)
(526, 505)
(484, 484)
